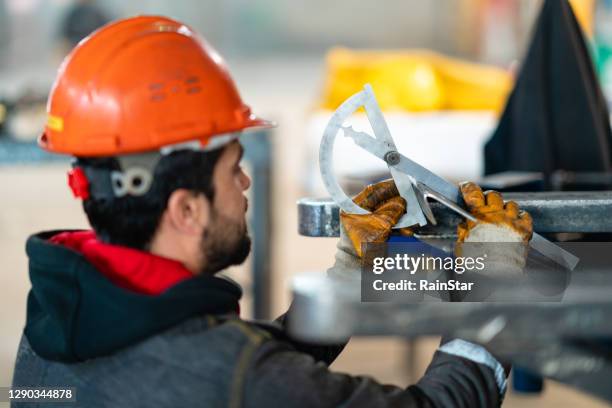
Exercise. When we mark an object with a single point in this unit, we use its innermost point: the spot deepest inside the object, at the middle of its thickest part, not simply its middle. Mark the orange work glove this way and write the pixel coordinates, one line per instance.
(387, 207)
(498, 222)
(502, 232)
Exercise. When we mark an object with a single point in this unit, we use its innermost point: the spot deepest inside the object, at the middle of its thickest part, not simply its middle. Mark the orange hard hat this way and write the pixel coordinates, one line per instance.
(138, 85)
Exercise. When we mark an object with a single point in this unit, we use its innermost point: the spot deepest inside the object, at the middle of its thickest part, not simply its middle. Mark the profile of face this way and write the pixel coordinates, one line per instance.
(225, 241)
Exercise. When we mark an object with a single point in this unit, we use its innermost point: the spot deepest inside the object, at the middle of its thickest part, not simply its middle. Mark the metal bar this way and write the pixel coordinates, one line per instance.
(548, 337)
(258, 152)
(552, 212)
(330, 309)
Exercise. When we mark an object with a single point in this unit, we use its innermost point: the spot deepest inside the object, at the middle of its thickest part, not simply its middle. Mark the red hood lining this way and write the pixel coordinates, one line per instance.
(138, 271)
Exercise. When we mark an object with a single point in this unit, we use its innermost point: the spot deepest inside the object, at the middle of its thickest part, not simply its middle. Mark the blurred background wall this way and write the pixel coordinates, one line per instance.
(490, 31)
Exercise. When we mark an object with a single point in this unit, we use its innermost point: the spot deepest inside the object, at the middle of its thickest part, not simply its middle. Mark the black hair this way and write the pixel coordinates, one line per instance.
(132, 220)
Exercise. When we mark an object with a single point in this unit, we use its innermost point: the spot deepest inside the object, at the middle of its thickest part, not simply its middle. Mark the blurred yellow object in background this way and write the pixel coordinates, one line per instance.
(2, 113)
(414, 80)
(409, 83)
(584, 11)
(471, 86)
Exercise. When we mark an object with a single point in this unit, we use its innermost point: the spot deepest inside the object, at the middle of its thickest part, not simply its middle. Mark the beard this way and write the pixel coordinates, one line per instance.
(225, 243)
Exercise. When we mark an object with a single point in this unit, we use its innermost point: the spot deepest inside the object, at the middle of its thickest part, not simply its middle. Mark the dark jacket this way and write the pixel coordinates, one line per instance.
(187, 347)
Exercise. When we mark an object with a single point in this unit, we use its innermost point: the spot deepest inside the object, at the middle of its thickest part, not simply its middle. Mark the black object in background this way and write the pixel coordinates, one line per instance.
(82, 19)
(556, 117)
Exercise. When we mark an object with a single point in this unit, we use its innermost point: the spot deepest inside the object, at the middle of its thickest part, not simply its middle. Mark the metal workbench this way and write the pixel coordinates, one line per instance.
(552, 212)
(568, 340)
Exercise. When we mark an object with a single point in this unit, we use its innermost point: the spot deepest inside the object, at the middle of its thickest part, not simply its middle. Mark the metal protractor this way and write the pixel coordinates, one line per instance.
(365, 98)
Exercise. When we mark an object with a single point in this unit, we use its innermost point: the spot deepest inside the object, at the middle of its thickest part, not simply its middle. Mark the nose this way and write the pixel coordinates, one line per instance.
(245, 181)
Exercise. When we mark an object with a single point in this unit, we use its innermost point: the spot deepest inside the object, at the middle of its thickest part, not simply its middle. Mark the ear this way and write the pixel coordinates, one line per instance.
(188, 212)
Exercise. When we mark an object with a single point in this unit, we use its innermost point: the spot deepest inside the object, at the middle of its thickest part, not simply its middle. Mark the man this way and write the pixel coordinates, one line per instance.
(131, 314)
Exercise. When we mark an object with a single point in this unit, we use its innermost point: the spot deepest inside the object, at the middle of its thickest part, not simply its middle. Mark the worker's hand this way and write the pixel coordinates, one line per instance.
(502, 232)
(386, 207)
(498, 222)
